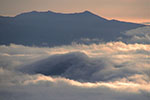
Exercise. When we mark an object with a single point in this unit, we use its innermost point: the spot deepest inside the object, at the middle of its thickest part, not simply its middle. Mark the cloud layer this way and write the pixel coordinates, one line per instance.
(107, 71)
(138, 35)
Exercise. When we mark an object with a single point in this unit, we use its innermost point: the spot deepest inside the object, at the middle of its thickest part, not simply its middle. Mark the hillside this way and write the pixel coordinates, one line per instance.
(52, 29)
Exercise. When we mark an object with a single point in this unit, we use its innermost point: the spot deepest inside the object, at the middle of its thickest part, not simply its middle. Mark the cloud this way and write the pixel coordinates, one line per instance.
(76, 65)
(146, 23)
(29, 87)
(107, 71)
(80, 67)
(139, 35)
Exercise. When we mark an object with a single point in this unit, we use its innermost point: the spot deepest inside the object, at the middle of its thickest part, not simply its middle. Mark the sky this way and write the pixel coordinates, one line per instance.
(124, 10)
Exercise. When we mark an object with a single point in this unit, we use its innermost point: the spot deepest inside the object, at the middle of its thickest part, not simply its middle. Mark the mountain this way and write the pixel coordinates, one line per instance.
(52, 29)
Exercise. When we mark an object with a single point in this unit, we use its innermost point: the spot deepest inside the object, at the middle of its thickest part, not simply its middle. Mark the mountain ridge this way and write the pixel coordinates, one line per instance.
(52, 12)
(38, 28)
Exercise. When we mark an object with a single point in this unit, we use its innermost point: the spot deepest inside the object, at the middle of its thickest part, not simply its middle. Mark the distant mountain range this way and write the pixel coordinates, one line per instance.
(53, 29)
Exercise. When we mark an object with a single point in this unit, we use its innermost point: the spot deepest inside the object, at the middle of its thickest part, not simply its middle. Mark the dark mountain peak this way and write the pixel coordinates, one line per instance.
(50, 11)
(35, 13)
(27, 13)
(92, 15)
(53, 28)
(87, 12)
(49, 14)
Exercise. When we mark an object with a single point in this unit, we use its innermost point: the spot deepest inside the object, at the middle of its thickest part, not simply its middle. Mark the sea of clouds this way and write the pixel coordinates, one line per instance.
(138, 35)
(104, 71)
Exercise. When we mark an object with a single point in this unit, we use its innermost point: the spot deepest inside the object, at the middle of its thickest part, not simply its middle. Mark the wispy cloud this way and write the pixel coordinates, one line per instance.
(138, 35)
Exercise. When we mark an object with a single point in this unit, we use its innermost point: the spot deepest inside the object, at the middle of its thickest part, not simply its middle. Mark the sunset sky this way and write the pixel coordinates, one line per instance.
(125, 10)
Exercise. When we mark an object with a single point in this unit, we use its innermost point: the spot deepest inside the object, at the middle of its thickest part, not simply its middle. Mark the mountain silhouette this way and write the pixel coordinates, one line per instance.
(53, 29)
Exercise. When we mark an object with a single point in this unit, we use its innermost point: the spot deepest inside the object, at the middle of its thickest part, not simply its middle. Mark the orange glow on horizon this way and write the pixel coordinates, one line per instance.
(131, 20)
